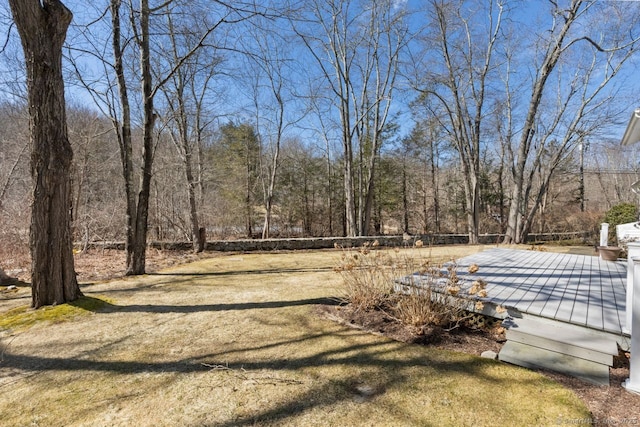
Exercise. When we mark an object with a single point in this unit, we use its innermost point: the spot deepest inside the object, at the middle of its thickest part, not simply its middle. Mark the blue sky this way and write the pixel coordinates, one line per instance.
(236, 100)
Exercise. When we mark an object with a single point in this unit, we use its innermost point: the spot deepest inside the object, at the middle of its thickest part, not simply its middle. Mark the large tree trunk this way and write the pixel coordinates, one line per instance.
(43, 27)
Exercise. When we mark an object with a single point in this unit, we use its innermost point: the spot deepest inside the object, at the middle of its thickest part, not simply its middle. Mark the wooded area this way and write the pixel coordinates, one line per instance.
(329, 118)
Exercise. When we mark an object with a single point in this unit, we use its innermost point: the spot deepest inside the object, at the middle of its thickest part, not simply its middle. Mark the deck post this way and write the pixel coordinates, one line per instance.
(632, 383)
(633, 251)
(604, 234)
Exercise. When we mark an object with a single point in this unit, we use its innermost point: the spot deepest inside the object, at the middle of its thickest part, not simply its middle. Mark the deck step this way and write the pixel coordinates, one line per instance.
(564, 338)
(535, 342)
(535, 357)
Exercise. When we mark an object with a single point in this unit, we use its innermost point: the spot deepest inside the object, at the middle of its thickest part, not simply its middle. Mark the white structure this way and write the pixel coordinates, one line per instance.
(630, 235)
(632, 383)
(629, 232)
(604, 234)
(633, 249)
(632, 136)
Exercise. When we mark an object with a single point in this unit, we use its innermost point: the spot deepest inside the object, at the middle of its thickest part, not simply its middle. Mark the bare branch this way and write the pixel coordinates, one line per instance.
(8, 38)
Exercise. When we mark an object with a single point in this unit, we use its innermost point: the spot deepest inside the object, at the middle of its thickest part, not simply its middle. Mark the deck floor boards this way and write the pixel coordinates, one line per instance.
(578, 289)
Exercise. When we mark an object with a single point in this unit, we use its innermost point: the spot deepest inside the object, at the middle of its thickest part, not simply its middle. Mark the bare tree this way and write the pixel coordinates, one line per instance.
(421, 150)
(184, 96)
(122, 123)
(94, 172)
(42, 26)
(269, 73)
(148, 121)
(467, 50)
(578, 108)
(324, 131)
(120, 111)
(357, 51)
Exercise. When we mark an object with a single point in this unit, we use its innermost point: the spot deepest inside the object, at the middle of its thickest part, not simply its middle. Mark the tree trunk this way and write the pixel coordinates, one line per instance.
(466, 122)
(176, 101)
(501, 177)
(306, 223)
(435, 170)
(274, 167)
(368, 199)
(329, 190)
(349, 199)
(405, 199)
(198, 244)
(142, 212)
(472, 201)
(123, 128)
(248, 208)
(42, 27)
(270, 192)
(360, 189)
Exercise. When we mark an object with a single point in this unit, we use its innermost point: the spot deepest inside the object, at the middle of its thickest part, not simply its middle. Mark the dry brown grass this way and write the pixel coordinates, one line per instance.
(233, 341)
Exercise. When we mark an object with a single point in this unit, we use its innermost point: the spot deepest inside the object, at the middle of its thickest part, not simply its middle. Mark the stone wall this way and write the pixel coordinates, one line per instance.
(246, 245)
(388, 241)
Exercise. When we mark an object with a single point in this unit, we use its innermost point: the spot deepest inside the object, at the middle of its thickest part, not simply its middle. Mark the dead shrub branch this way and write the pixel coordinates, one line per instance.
(408, 288)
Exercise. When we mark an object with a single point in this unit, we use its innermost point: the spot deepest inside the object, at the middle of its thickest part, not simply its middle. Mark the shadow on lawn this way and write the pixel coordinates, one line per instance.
(245, 272)
(106, 307)
(326, 391)
(394, 364)
(181, 278)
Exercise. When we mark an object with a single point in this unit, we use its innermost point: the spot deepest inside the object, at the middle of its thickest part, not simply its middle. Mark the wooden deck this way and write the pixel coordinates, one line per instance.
(577, 289)
(565, 312)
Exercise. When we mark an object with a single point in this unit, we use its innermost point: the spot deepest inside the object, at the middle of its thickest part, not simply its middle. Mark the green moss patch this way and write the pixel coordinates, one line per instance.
(24, 317)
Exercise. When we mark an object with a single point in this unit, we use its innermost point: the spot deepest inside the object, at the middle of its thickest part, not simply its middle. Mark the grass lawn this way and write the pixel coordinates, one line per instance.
(235, 341)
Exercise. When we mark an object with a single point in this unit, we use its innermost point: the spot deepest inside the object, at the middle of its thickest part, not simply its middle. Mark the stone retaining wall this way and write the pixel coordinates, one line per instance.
(245, 245)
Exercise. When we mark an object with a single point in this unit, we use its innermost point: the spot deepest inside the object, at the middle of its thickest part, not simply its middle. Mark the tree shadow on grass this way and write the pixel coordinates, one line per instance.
(99, 305)
(180, 278)
(12, 281)
(10, 289)
(245, 272)
(394, 371)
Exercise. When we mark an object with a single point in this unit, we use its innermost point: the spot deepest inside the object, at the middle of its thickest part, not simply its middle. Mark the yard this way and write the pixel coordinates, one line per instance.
(237, 340)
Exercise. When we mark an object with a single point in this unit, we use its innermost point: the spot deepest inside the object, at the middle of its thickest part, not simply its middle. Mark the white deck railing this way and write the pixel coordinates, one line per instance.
(632, 383)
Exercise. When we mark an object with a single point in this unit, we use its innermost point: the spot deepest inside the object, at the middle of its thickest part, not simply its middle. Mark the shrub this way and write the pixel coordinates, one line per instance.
(620, 214)
(439, 299)
(368, 276)
(408, 288)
